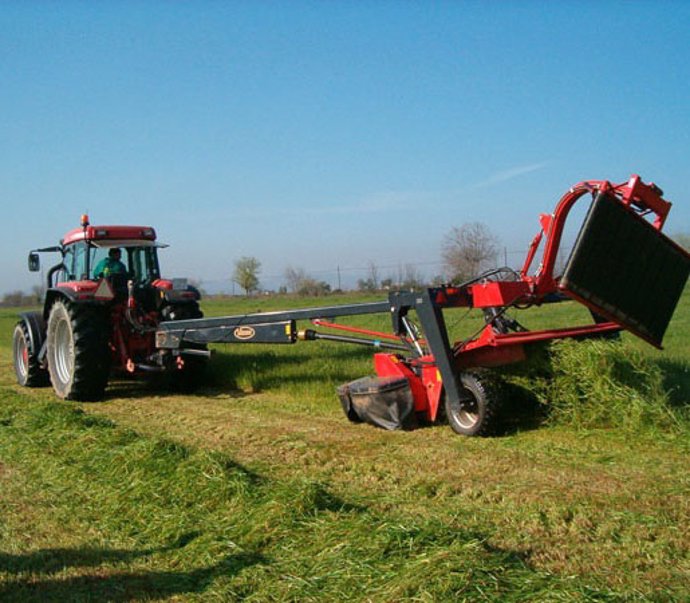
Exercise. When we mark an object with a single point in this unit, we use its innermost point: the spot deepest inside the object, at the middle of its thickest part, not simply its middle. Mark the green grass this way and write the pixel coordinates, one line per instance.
(257, 488)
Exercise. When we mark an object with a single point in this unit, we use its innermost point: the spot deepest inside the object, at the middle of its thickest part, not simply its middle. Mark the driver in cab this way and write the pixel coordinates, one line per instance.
(110, 265)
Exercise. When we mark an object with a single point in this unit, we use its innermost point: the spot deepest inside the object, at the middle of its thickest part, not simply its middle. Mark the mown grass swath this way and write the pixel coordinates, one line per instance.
(135, 502)
(257, 488)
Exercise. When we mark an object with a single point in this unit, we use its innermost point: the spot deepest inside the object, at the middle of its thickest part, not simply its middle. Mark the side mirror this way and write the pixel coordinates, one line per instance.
(34, 262)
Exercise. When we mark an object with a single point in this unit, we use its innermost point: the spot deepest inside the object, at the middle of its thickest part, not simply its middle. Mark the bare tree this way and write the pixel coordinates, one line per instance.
(294, 278)
(313, 288)
(246, 273)
(371, 282)
(298, 281)
(373, 274)
(412, 278)
(469, 250)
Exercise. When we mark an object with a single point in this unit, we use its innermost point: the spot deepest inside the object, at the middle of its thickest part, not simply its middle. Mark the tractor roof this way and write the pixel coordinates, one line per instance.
(112, 235)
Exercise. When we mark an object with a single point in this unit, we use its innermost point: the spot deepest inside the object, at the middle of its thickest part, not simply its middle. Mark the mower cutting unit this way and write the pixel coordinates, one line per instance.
(622, 268)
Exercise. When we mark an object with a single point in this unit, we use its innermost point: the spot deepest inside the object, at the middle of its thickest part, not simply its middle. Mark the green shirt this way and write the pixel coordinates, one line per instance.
(108, 266)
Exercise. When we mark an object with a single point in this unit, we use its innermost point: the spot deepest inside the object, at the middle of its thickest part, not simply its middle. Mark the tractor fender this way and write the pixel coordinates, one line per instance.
(52, 295)
(181, 296)
(69, 294)
(36, 326)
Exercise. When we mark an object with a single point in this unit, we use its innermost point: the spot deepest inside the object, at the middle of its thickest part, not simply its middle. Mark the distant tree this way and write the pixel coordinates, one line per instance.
(371, 282)
(387, 283)
(365, 284)
(37, 292)
(468, 250)
(299, 282)
(373, 274)
(17, 298)
(246, 273)
(312, 288)
(294, 278)
(411, 278)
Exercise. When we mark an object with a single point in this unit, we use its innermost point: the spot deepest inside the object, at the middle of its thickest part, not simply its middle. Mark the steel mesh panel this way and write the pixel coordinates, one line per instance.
(625, 269)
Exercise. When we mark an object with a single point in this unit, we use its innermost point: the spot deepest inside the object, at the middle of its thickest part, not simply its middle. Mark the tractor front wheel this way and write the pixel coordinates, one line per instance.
(78, 354)
(477, 413)
(28, 370)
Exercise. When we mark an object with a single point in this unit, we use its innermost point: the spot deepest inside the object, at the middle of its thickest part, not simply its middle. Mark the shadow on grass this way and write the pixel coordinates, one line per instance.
(520, 411)
(308, 499)
(126, 586)
(265, 369)
(676, 382)
(50, 561)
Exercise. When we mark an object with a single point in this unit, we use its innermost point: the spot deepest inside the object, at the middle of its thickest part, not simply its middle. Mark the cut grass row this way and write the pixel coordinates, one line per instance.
(133, 517)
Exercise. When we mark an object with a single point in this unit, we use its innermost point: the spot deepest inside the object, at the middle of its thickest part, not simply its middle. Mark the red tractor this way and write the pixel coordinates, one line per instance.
(95, 320)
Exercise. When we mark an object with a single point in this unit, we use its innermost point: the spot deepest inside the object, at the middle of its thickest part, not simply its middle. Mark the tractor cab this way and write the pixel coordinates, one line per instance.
(84, 260)
(87, 250)
(88, 247)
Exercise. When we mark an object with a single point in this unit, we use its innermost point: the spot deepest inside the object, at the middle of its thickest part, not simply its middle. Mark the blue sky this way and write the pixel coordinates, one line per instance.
(326, 134)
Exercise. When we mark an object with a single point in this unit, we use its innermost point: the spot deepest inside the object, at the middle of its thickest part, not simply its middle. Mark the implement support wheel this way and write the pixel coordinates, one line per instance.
(477, 413)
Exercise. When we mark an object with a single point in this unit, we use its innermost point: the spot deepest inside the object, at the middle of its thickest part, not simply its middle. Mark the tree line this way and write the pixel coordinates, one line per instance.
(466, 251)
(18, 298)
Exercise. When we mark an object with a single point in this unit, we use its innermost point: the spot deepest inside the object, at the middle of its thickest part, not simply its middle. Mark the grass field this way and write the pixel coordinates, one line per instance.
(257, 488)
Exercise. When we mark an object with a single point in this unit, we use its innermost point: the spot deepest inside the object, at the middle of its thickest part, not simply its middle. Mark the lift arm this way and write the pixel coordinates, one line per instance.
(260, 327)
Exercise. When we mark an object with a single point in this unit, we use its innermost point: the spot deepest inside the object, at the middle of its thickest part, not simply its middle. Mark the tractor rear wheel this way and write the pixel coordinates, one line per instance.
(477, 413)
(26, 366)
(78, 354)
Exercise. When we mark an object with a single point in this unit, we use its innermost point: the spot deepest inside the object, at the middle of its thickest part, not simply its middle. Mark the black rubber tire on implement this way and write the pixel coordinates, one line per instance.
(478, 414)
(26, 366)
(78, 354)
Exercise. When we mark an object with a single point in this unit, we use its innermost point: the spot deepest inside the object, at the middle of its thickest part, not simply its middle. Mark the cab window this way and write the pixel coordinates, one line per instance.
(143, 264)
(98, 254)
(75, 261)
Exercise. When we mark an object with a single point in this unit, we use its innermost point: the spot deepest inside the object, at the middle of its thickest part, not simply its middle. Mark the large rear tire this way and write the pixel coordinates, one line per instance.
(27, 368)
(78, 354)
(477, 413)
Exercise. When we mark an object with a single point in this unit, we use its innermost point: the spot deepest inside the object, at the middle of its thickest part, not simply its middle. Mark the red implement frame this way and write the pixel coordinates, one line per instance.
(437, 362)
(625, 217)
